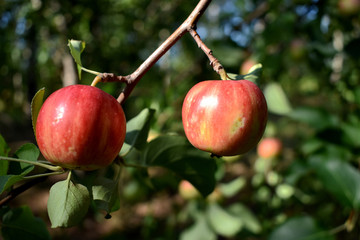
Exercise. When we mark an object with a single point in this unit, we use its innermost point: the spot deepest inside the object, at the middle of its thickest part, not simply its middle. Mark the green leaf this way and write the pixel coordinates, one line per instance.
(339, 178)
(233, 187)
(76, 48)
(29, 152)
(4, 151)
(16, 171)
(137, 130)
(254, 74)
(199, 231)
(20, 223)
(315, 117)
(176, 153)
(222, 221)
(106, 195)
(36, 104)
(7, 181)
(68, 203)
(351, 134)
(300, 228)
(250, 221)
(276, 99)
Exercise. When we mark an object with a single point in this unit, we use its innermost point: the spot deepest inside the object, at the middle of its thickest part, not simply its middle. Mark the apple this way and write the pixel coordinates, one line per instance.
(349, 7)
(80, 127)
(224, 117)
(269, 147)
(187, 190)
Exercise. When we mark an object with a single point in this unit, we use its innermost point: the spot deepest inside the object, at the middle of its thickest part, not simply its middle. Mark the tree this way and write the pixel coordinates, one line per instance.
(310, 75)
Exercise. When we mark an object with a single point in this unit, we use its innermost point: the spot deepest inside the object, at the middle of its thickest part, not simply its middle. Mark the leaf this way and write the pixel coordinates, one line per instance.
(176, 153)
(222, 221)
(233, 187)
(276, 99)
(254, 74)
(105, 194)
(250, 221)
(199, 231)
(340, 179)
(20, 223)
(315, 117)
(4, 151)
(16, 171)
(351, 134)
(68, 203)
(36, 104)
(29, 152)
(7, 181)
(137, 130)
(76, 48)
(300, 228)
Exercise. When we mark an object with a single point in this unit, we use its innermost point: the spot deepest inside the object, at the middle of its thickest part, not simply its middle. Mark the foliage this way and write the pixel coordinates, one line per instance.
(310, 76)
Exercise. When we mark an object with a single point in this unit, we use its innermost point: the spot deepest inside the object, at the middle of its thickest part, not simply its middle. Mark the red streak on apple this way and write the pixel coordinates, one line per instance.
(224, 117)
(80, 127)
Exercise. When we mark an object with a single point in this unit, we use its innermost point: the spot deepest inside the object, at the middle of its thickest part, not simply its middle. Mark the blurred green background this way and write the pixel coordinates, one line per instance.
(310, 52)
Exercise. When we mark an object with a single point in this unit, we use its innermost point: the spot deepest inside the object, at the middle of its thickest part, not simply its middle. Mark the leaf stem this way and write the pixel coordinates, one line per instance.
(39, 164)
(90, 71)
(44, 174)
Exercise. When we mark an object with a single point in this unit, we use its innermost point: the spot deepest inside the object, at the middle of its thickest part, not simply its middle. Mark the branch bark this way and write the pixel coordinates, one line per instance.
(187, 25)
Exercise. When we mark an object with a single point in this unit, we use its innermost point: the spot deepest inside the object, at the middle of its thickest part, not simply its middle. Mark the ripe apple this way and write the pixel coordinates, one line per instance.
(269, 147)
(80, 127)
(224, 117)
(187, 190)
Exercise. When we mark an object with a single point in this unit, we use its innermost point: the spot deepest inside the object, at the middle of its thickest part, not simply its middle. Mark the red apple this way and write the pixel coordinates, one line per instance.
(269, 147)
(80, 127)
(187, 190)
(224, 117)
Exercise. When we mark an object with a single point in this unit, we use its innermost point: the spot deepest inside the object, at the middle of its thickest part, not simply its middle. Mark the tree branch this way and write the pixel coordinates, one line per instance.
(189, 25)
(15, 192)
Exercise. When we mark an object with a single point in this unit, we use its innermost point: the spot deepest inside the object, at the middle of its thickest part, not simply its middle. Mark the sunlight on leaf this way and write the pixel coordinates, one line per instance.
(36, 104)
(76, 48)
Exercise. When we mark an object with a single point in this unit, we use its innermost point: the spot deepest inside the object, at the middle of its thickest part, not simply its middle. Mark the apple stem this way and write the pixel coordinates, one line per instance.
(96, 80)
(39, 164)
(90, 71)
(214, 62)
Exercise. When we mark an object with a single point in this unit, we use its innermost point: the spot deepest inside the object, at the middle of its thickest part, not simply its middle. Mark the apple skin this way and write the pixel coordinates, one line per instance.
(80, 127)
(187, 190)
(224, 117)
(269, 147)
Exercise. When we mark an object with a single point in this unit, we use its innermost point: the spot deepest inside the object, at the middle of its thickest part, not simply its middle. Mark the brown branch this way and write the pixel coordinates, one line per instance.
(16, 191)
(189, 23)
(214, 62)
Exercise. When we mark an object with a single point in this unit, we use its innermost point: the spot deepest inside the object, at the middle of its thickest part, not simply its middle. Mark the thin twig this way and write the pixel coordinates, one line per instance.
(214, 62)
(189, 23)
